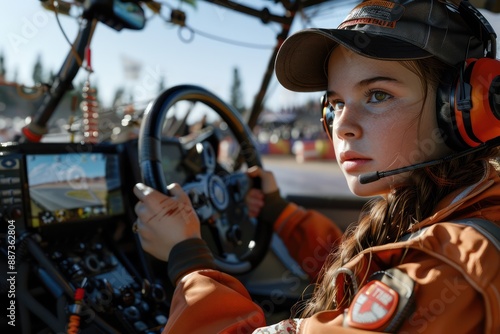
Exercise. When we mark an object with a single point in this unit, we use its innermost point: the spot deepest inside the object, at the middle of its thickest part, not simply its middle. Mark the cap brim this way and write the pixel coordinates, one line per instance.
(301, 63)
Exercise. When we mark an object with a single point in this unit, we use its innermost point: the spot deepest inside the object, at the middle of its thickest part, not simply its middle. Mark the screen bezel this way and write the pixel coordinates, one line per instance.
(27, 149)
(77, 187)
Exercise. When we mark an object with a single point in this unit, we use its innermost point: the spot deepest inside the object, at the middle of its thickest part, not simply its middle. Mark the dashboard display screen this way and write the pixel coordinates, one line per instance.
(73, 187)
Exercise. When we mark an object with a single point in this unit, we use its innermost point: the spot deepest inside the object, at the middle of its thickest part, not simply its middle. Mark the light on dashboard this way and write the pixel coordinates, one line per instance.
(251, 244)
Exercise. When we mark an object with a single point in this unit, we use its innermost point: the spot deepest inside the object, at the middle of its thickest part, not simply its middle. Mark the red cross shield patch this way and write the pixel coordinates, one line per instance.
(373, 307)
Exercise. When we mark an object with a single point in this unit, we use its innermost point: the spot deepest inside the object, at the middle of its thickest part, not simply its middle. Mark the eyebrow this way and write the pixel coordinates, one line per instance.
(366, 82)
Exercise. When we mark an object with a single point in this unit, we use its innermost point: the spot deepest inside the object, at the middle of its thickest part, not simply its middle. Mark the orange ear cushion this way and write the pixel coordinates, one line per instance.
(482, 122)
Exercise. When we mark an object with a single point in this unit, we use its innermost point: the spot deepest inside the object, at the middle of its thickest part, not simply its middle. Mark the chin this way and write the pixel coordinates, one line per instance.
(362, 191)
(358, 189)
(377, 188)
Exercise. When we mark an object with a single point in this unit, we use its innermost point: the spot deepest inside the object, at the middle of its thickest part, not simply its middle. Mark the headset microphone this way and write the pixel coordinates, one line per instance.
(374, 176)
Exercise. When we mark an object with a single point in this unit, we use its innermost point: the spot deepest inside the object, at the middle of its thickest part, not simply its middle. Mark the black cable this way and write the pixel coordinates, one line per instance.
(229, 41)
(78, 59)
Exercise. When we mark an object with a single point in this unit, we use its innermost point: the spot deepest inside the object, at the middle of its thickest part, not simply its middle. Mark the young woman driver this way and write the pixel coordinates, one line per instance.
(423, 256)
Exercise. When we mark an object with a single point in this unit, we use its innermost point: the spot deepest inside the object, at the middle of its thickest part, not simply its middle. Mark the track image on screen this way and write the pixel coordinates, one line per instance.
(73, 187)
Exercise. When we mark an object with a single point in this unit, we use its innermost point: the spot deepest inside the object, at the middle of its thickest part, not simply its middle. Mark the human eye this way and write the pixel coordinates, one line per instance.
(377, 96)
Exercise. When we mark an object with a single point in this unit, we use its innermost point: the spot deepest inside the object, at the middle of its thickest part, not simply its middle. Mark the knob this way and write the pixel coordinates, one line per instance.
(127, 296)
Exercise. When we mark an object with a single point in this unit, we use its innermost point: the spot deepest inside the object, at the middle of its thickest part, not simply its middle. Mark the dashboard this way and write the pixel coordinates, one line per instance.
(49, 184)
(71, 207)
(57, 184)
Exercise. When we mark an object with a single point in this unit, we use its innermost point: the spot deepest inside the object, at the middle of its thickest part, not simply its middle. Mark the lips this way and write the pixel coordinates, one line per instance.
(352, 161)
(351, 155)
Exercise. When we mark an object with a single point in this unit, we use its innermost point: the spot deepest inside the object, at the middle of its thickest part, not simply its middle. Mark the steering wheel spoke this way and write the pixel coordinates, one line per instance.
(198, 194)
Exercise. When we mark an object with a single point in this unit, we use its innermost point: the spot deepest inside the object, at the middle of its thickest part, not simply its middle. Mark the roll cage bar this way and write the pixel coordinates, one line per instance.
(101, 10)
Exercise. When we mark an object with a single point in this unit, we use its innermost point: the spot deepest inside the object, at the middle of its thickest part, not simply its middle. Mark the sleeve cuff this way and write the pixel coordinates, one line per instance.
(187, 256)
(274, 205)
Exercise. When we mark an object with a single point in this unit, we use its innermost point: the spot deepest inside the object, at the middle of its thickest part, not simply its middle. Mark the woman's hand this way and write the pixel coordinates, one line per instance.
(268, 182)
(255, 197)
(163, 221)
(254, 201)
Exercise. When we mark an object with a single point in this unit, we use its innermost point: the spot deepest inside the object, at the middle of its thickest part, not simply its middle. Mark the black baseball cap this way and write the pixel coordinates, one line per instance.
(388, 30)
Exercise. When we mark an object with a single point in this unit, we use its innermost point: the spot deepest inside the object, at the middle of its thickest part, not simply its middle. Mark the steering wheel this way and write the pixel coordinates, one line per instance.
(238, 242)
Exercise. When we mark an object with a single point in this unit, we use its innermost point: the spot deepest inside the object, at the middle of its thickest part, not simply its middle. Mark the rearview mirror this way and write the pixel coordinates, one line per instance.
(117, 14)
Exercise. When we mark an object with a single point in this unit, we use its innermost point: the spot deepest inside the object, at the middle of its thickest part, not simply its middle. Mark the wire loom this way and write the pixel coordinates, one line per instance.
(75, 310)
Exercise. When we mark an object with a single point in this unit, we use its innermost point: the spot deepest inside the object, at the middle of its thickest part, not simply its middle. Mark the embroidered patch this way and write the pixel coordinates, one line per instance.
(378, 13)
(373, 307)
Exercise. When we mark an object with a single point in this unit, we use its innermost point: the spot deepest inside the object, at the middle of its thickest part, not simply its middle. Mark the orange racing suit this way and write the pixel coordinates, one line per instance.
(454, 267)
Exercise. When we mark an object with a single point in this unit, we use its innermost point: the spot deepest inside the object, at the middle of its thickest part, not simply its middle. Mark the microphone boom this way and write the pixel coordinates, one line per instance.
(374, 176)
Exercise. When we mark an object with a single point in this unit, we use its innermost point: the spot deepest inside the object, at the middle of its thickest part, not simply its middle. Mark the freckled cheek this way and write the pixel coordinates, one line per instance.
(408, 147)
(384, 135)
(405, 139)
(392, 142)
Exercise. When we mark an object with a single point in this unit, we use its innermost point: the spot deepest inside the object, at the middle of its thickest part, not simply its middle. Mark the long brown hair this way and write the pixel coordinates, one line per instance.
(384, 220)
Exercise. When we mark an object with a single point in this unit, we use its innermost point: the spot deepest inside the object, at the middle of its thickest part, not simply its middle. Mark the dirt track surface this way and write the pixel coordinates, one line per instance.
(317, 177)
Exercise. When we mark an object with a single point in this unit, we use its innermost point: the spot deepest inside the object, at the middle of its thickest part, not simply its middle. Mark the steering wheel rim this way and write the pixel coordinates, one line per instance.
(149, 145)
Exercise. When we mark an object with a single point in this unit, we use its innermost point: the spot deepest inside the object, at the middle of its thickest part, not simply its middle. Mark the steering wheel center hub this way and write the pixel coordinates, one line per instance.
(217, 192)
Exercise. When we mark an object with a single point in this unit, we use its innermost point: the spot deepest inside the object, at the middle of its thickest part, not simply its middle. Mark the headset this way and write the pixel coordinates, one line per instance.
(468, 103)
(468, 100)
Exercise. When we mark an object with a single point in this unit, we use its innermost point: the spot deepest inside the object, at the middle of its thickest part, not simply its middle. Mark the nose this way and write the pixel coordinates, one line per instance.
(346, 125)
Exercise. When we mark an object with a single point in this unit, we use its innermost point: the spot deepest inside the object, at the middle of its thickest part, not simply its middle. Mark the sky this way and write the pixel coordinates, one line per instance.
(47, 168)
(162, 50)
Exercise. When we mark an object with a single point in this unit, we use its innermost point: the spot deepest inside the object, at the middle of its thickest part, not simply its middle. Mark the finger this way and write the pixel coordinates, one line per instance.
(151, 199)
(254, 202)
(254, 198)
(254, 214)
(139, 207)
(143, 211)
(141, 191)
(255, 193)
(254, 171)
(176, 191)
(254, 211)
